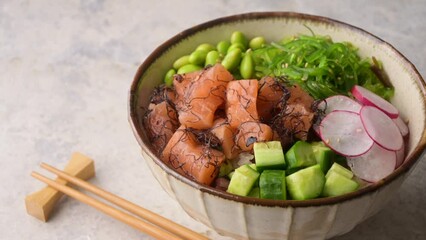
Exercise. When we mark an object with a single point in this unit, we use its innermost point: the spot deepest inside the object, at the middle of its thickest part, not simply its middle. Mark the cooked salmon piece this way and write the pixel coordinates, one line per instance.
(250, 132)
(223, 131)
(197, 162)
(198, 98)
(160, 122)
(241, 98)
(271, 93)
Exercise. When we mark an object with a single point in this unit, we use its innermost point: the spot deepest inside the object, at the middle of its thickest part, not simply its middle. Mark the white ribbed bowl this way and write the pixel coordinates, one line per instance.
(249, 218)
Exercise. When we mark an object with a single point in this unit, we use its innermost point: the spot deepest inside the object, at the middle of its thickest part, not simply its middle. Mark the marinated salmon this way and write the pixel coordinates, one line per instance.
(250, 132)
(223, 131)
(184, 154)
(295, 116)
(199, 97)
(271, 93)
(161, 122)
(241, 98)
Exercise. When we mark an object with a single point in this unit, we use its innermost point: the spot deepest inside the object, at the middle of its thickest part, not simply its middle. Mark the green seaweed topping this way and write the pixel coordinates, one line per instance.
(320, 66)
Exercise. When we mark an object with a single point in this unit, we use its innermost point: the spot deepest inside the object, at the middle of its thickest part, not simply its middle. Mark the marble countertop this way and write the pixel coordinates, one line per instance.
(66, 68)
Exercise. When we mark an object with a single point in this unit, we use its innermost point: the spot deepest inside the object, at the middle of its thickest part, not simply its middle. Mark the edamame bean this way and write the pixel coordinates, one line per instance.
(212, 58)
(181, 62)
(198, 57)
(168, 78)
(222, 47)
(232, 59)
(206, 47)
(188, 68)
(247, 66)
(237, 45)
(239, 37)
(257, 42)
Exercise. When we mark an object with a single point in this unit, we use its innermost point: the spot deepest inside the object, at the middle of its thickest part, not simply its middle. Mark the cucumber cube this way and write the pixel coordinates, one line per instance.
(272, 184)
(341, 170)
(323, 156)
(255, 192)
(243, 180)
(300, 155)
(306, 183)
(225, 168)
(269, 155)
(290, 171)
(337, 184)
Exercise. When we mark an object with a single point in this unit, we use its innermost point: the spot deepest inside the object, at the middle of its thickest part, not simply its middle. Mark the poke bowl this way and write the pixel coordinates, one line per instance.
(246, 217)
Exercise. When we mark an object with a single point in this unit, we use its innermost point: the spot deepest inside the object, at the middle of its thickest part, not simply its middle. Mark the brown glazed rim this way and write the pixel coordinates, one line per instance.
(138, 130)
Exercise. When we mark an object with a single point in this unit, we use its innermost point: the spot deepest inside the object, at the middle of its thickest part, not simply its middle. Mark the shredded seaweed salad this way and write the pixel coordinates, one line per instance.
(320, 66)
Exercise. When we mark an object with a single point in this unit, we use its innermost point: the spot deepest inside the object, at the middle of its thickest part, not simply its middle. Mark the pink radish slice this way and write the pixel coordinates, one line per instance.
(369, 98)
(381, 128)
(339, 102)
(400, 156)
(316, 128)
(374, 165)
(403, 128)
(343, 132)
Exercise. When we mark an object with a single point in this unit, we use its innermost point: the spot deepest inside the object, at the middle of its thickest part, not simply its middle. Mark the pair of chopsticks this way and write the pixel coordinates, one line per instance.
(153, 224)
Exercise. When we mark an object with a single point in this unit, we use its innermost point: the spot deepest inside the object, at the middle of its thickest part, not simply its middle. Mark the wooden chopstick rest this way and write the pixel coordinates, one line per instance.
(41, 203)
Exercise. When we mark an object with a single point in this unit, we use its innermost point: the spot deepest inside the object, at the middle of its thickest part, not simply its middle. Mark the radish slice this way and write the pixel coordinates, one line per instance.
(403, 128)
(316, 128)
(374, 165)
(381, 128)
(400, 156)
(343, 132)
(339, 102)
(369, 98)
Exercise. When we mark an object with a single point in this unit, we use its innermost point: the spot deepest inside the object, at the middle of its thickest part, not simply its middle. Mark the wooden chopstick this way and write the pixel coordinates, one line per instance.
(149, 216)
(109, 210)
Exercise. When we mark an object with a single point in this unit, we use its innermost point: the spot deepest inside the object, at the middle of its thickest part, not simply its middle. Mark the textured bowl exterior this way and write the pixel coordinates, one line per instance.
(249, 218)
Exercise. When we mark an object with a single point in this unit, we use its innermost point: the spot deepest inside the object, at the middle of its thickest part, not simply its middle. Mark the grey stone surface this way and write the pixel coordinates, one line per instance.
(66, 67)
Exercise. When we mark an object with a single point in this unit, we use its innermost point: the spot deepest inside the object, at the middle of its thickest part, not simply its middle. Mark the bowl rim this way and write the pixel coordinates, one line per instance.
(161, 49)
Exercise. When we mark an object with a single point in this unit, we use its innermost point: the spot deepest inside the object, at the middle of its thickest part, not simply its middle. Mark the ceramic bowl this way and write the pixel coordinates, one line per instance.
(249, 218)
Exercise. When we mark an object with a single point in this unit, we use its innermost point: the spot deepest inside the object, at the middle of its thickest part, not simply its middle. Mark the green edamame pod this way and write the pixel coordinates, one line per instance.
(222, 47)
(247, 66)
(198, 57)
(206, 47)
(239, 37)
(181, 62)
(232, 59)
(212, 58)
(237, 45)
(188, 68)
(257, 42)
(168, 78)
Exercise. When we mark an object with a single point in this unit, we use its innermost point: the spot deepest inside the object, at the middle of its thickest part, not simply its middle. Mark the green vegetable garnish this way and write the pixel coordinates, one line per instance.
(320, 66)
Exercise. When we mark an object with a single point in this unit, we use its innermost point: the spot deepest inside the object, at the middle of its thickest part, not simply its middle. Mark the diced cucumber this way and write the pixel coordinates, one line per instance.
(307, 183)
(272, 184)
(231, 174)
(300, 155)
(255, 192)
(253, 165)
(337, 184)
(290, 171)
(243, 180)
(341, 170)
(269, 155)
(323, 156)
(225, 168)
(318, 144)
